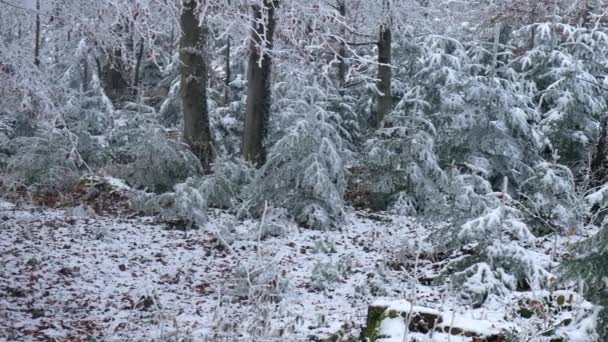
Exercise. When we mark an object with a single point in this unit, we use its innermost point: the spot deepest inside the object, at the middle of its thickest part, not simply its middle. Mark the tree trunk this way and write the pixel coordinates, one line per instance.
(99, 68)
(228, 72)
(86, 77)
(140, 55)
(532, 39)
(384, 101)
(504, 39)
(584, 15)
(342, 67)
(258, 90)
(193, 84)
(37, 36)
(115, 82)
(599, 163)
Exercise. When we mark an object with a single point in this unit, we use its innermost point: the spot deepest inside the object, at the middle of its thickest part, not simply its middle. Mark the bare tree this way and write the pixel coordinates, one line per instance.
(194, 79)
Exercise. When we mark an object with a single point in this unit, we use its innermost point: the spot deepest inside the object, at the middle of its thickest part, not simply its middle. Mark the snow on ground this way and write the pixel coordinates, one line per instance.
(131, 278)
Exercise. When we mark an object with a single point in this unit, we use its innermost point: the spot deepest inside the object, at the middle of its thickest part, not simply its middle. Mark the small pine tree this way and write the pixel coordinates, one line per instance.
(499, 256)
(144, 156)
(483, 111)
(549, 199)
(590, 265)
(402, 164)
(305, 170)
(563, 67)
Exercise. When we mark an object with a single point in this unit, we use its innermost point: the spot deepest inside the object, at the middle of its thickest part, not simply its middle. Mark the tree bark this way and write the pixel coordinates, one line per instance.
(599, 162)
(99, 68)
(504, 39)
(228, 72)
(86, 77)
(37, 36)
(342, 67)
(140, 55)
(384, 100)
(115, 81)
(258, 90)
(194, 79)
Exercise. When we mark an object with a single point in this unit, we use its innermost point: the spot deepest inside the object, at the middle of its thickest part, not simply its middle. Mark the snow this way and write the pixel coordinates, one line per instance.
(132, 278)
(116, 183)
(395, 327)
(404, 306)
(480, 326)
(4, 205)
(98, 271)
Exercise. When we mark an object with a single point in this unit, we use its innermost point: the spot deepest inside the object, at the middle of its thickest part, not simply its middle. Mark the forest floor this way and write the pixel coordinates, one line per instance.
(69, 274)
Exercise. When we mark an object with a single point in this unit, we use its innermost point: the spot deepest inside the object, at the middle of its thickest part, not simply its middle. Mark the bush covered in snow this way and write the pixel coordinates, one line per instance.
(143, 155)
(305, 170)
(403, 164)
(497, 255)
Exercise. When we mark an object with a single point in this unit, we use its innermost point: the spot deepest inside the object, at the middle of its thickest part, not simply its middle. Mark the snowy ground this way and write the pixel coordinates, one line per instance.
(130, 278)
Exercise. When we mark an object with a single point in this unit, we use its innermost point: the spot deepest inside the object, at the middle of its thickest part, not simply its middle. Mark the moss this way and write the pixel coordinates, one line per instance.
(375, 316)
(525, 313)
(393, 314)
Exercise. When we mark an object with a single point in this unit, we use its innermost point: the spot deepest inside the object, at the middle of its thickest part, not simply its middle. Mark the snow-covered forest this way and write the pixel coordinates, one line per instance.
(304, 170)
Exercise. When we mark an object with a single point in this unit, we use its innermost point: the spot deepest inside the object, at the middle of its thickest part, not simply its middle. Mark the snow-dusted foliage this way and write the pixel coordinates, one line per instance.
(550, 200)
(326, 273)
(190, 200)
(571, 92)
(306, 168)
(483, 111)
(47, 159)
(52, 132)
(468, 192)
(171, 107)
(143, 154)
(498, 256)
(402, 163)
(589, 267)
(223, 188)
(186, 206)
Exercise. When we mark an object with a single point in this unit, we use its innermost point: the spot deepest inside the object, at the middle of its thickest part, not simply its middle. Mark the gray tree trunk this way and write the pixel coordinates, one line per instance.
(228, 77)
(114, 79)
(86, 77)
(115, 71)
(258, 90)
(599, 162)
(37, 36)
(194, 80)
(384, 100)
(342, 67)
(140, 55)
